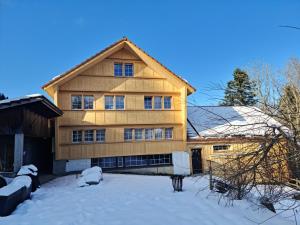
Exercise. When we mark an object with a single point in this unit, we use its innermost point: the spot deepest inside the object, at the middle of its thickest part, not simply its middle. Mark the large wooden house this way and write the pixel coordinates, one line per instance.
(122, 110)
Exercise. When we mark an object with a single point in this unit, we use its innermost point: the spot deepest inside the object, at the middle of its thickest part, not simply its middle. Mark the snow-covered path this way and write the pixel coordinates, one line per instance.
(132, 200)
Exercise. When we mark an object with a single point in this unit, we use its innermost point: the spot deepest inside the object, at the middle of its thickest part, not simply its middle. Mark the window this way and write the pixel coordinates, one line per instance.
(160, 159)
(148, 102)
(158, 133)
(76, 102)
(157, 102)
(108, 162)
(120, 161)
(119, 102)
(118, 70)
(221, 147)
(128, 70)
(168, 133)
(139, 160)
(167, 102)
(109, 102)
(138, 134)
(88, 102)
(100, 135)
(148, 134)
(89, 136)
(132, 161)
(76, 136)
(128, 134)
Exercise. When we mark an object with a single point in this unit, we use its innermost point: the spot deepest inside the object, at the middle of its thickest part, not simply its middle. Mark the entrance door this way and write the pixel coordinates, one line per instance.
(196, 161)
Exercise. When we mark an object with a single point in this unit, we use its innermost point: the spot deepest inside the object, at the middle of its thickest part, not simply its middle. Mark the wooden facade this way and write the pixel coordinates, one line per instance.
(95, 77)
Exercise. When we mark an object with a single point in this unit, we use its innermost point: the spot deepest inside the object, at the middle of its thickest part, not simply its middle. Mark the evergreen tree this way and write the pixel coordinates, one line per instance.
(240, 90)
(2, 96)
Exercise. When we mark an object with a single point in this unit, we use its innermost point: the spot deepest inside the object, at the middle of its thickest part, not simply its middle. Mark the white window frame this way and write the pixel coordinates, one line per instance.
(79, 131)
(103, 134)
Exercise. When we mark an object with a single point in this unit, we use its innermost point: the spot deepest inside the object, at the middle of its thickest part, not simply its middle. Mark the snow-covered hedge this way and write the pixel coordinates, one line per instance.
(90, 176)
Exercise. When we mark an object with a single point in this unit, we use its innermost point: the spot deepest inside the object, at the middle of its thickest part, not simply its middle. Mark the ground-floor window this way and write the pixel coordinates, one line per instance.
(133, 161)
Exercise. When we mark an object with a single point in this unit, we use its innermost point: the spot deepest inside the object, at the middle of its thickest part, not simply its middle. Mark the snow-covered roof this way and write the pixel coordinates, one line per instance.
(222, 121)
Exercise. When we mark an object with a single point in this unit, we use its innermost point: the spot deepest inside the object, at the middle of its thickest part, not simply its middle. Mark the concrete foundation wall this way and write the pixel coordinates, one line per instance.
(77, 165)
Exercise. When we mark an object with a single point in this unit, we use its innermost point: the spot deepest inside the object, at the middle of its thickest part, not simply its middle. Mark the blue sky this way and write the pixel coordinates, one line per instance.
(203, 41)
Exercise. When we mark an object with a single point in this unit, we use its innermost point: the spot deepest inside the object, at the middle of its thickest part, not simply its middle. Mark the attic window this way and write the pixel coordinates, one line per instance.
(128, 70)
(118, 69)
(221, 147)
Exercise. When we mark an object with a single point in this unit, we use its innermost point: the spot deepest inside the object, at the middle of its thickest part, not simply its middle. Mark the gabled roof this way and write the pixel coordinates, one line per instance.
(224, 121)
(149, 60)
(36, 102)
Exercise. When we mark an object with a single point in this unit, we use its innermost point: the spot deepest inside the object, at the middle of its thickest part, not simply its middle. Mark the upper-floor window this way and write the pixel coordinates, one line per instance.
(76, 136)
(89, 135)
(88, 102)
(128, 134)
(100, 135)
(148, 133)
(167, 102)
(158, 132)
(128, 70)
(138, 134)
(109, 102)
(76, 102)
(157, 102)
(148, 102)
(119, 102)
(168, 133)
(221, 147)
(118, 69)
(114, 102)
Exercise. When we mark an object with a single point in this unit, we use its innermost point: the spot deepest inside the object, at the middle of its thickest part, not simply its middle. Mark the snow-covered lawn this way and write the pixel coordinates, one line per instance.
(133, 200)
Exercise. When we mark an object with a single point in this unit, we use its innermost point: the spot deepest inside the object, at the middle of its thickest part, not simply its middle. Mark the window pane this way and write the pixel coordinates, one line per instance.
(138, 160)
(160, 159)
(76, 102)
(168, 133)
(148, 102)
(158, 133)
(120, 161)
(119, 102)
(89, 135)
(118, 69)
(157, 102)
(108, 162)
(76, 136)
(148, 134)
(221, 147)
(100, 135)
(128, 69)
(138, 134)
(88, 102)
(109, 102)
(167, 102)
(128, 134)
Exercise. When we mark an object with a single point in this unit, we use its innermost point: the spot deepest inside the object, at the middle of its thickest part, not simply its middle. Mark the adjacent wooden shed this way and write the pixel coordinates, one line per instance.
(27, 132)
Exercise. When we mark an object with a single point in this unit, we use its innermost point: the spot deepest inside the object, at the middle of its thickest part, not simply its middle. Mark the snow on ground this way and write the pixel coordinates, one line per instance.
(133, 200)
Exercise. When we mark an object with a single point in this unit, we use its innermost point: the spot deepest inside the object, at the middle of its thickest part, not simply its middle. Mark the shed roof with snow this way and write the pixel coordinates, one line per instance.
(224, 121)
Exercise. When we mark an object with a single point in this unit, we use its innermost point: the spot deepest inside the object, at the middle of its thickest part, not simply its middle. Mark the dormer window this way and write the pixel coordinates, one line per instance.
(118, 69)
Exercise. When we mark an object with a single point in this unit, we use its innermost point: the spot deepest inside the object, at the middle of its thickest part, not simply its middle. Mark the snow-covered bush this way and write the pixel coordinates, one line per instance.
(90, 176)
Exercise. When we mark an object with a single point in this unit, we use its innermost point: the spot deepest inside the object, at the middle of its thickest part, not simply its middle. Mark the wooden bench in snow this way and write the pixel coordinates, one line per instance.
(14, 193)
